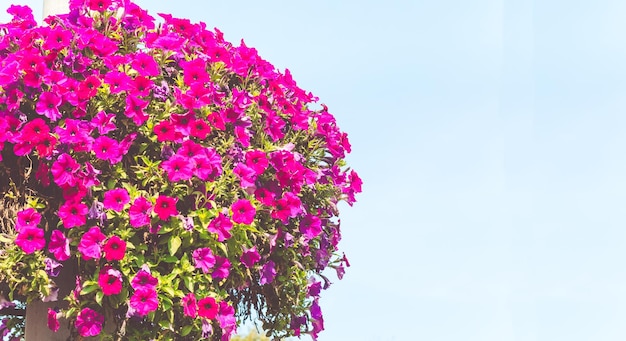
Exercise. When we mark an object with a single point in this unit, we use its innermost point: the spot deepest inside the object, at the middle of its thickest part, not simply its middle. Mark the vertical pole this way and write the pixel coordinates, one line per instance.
(51, 7)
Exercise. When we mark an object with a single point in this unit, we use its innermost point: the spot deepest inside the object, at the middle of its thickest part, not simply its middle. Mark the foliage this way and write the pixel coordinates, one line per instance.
(184, 181)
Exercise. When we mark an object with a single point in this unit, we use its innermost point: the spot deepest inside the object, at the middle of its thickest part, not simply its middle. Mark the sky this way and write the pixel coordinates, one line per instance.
(490, 137)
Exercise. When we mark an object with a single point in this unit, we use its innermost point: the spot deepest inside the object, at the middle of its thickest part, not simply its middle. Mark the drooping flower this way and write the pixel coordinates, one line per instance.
(110, 280)
(143, 301)
(30, 239)
(59, 246)
(139, 212)
(52, 267)
(268, 272)
(208, 308)
(204, 259)
(114, 249)
(243, 211)
(89, 322)
(90, 245)
(53, 322)
(115, 199)
(226, 319)
(222, 268)
(190, 306)
(165, 207)
(250, 257)
(221, 225)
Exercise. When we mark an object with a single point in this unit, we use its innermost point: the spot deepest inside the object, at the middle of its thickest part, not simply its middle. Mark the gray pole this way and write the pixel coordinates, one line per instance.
(51, 7)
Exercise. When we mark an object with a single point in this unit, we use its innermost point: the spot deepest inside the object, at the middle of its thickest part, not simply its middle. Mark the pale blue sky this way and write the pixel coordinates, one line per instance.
(491, 139)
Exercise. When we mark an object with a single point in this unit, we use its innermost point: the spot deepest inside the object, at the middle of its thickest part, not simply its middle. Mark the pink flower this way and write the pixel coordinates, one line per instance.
(145, 65)
(89, 322)
(203, 259)
(222, 268)
(115, 199)
(53, 322)
(226, 319)
(90, 245)
(135, 109)
(73, 214)
(165, 131)
(103, 122)
(190, 306)
(141, 86)
(30, 239)
(177, 168)
(110, 280)
(144, 301)
(195, 72)
(106, 148)
(243, 212)
(28, 217)
(59, 246)
(140, 212)
(165, 207)
(99, 5)
(200, 129)
(114, 249)
(221, 225)
(208, 308)
(64, 170)
(310, 226)
(48, 105)
(89, 87)
(144, 280)
(247, 175)
(118, 81)
(250, 257)
(257, 160)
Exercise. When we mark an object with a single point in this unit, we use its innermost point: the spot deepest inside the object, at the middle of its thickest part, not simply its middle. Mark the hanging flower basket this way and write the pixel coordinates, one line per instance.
(185, 183)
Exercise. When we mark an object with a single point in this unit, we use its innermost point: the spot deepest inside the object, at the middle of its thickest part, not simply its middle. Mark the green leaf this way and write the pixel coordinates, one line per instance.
(89, 289)
(173, 244)
(186, 330)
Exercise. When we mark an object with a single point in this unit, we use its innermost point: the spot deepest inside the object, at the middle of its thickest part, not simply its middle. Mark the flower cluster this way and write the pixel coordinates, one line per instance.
(182, 180)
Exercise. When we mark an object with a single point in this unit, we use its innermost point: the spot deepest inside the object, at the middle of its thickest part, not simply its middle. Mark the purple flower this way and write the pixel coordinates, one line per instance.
(268, 272)
(59, 246)
(310, 226)
(222, 268)
(89, 322)
(144, 301)
(52, 267)
(144, 280)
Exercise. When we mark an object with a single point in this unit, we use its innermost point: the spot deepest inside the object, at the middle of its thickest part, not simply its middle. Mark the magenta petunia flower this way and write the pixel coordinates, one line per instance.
(73, 214)
(28, 217)
(64, 170)
(53, 322)
(141, 86)
(243, 211)
(89, 322)
(139, 212)
(226, 319)
(190, 306)
(99, 5)
(115, 199)
(103, 122)
(208, 308)
(106, 148)
(165, 207)
(145, 65)
(30, 239)
(144, 280)
(165, 131)
(178, 168)
(118, 81)
(203, 259)
(250, 257)
(59, 246)
(310, 226)
(222, 268)
(144, 301)
(48, 105)
(257, 160)
(221, 225)
(114, 249)
(90, 245)
(110, 280)
(247, 176)
(200, 129)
